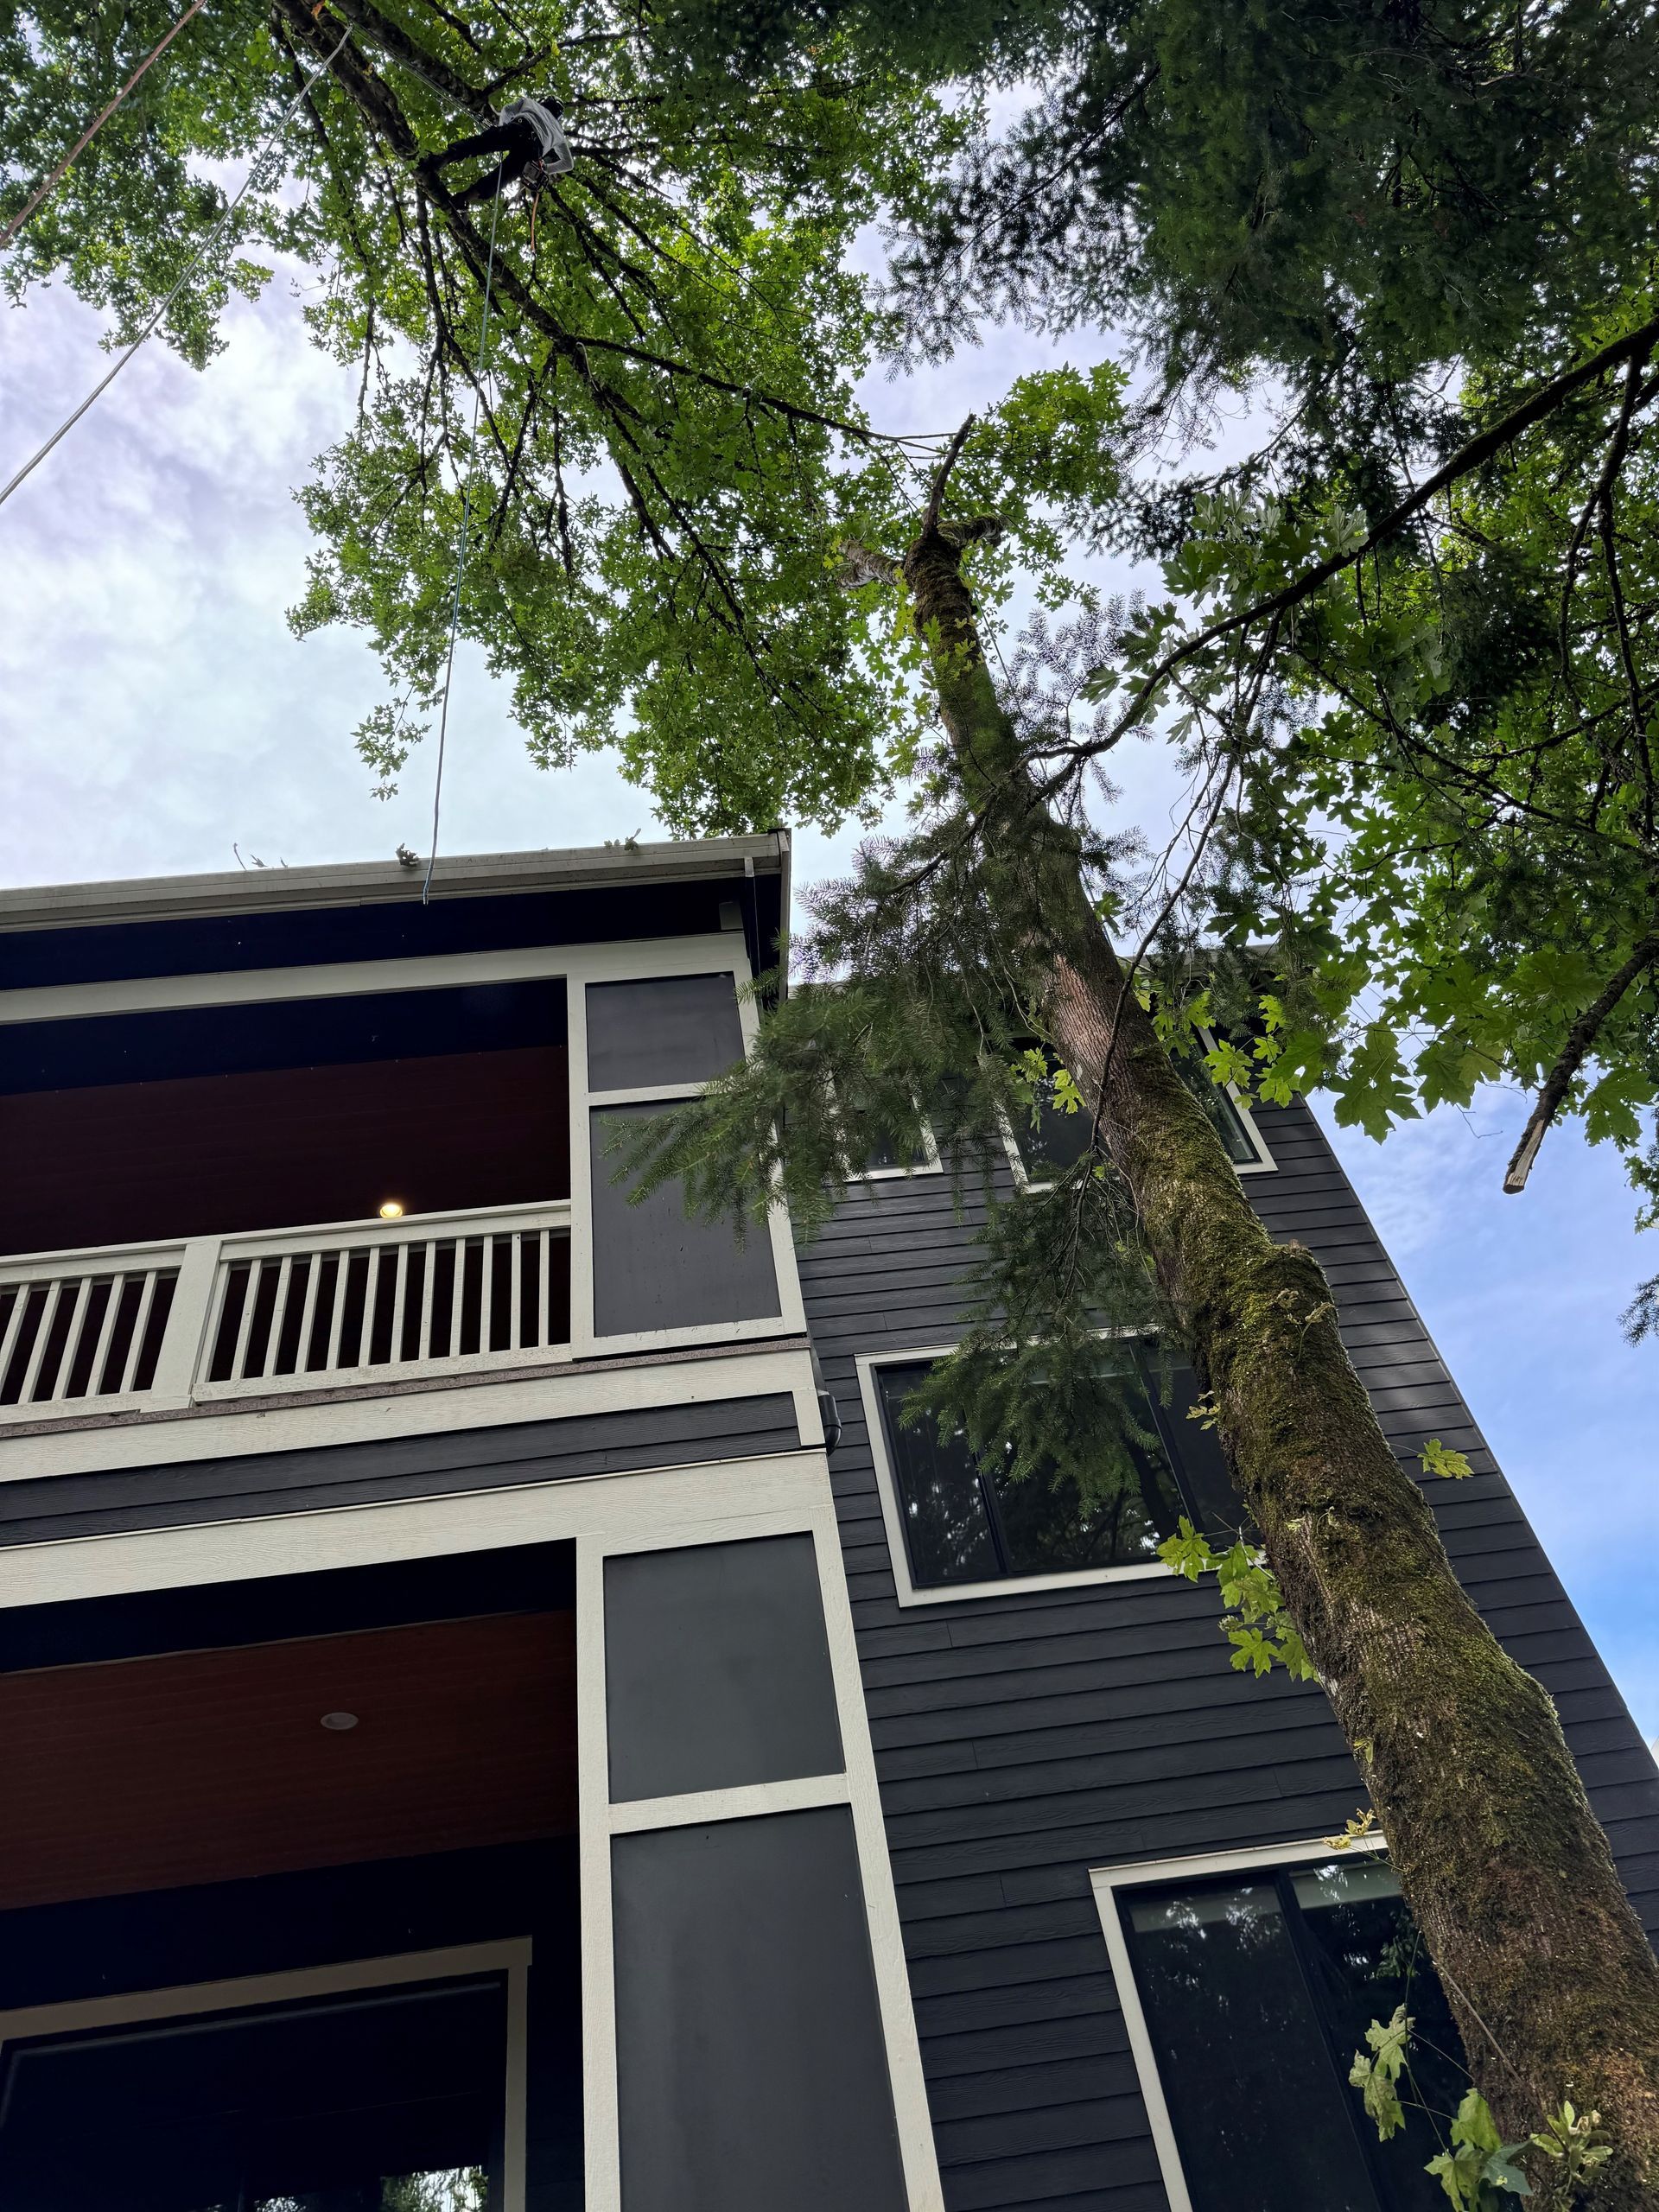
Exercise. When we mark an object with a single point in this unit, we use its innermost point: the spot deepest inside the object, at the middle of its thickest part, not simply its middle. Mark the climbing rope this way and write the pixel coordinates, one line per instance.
(195, 262)
(460, 545)
(92, 128)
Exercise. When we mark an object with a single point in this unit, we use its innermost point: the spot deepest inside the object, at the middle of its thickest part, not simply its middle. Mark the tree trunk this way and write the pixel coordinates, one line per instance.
(1511, 1877)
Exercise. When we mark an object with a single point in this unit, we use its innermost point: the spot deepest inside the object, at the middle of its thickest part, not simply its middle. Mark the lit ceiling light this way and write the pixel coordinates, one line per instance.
(340, 1722)
(392, 1209)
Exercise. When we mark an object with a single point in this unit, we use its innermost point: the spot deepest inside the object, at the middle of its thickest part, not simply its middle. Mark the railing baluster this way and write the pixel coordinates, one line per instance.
(72, 1341)
(337, 1310)
(91, 1330)
(399, 1293)
(429, 1298)
(307, 1312)
(140, 1324)
(278, 1315)
(366, 1318)
(37, 1349)
(14, 1329)
(106, 1330)
(244, 1324)
(458, 1285)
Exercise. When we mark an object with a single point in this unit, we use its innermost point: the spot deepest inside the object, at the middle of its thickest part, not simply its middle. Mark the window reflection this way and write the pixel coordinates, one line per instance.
(964, 1522)
(1257, 1992)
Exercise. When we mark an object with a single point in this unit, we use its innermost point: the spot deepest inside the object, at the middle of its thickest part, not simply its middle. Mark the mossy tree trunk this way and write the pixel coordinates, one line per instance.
(1508, 1874)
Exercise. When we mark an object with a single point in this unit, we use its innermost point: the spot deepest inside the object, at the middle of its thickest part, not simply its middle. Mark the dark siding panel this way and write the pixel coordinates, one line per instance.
(750, 2073)
(717, 1668)
(414, 1466)
(1021, 1740)
(654, 1268)
(661, 1029)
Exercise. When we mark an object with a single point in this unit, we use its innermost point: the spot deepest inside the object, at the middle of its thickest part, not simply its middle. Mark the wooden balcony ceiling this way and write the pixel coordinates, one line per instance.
(209, 1766)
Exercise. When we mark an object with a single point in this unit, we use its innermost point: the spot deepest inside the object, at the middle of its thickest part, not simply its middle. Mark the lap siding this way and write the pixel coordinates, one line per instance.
(1024, 1737)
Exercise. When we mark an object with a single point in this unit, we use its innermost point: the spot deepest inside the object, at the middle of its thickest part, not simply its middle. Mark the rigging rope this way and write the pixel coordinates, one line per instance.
(92, 128)
(460, 545)
(195, 262)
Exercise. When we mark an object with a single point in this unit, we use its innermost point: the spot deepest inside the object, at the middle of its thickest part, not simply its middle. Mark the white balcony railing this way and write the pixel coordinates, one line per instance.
(165, 1326)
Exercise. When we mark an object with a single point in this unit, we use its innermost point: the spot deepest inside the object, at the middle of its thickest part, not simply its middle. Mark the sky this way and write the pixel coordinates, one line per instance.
(157, 717)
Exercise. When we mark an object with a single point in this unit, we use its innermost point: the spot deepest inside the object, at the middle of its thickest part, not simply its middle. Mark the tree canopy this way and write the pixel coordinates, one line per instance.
(669, 436)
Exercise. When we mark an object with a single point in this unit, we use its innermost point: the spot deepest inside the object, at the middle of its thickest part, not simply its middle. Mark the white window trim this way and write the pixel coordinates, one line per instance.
(1263, 1164)
(652, 1509)
(351, 1977)
(953, 1593)
(1107, 1882)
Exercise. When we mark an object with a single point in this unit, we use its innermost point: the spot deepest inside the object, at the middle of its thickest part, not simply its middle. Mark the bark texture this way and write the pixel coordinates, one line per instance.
(1505, 1867)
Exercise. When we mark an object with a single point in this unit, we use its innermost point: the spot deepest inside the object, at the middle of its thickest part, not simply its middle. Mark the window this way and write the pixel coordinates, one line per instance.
(1237, 1132)
(1250, 1989)
(1044, 1153)
(953, 1524)
(384, 2100)
(888, 1156)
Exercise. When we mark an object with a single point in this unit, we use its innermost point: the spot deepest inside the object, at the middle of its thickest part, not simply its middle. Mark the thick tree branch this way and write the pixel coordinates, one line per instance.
(393, 40)
(1580, 1038)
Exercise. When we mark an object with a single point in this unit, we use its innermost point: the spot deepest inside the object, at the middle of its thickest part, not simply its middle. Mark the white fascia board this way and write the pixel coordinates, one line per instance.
(249, 891)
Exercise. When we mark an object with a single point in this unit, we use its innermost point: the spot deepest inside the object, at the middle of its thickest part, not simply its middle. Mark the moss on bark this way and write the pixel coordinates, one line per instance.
(1510, 1876)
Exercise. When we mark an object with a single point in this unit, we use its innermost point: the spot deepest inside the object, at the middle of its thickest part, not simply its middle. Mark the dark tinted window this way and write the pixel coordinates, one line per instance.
(1219, 1105)
(333, 2102)
(885, 1152)
(1059, 1140)
(963, 1523)
(1258, 1992)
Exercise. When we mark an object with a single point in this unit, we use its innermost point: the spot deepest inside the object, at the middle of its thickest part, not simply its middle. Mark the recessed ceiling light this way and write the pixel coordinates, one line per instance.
(339, 1721)
(392, 1209)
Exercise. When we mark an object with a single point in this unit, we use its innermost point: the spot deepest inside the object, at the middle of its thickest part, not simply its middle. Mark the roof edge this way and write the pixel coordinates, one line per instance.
(171, 898)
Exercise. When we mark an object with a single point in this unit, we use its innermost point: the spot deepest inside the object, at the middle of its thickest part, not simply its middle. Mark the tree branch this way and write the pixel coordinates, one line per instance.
(1580, 1038)
(1634, 346)
(393, 40)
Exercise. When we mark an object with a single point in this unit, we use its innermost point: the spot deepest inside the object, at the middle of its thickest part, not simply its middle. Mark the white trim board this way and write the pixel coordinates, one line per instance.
(856, 1787)
(1106, 1882)
(351, 1977)
(622, 960)
(714, 1500)
(956, 1593)
(472, 1402)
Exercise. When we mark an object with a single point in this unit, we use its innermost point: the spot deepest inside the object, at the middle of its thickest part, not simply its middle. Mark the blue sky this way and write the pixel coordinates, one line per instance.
(157, 715)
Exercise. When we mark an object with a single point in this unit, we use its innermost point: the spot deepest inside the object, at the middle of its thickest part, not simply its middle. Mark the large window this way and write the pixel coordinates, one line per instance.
(1251, 1989)
(388, 2100)
(963, 1522)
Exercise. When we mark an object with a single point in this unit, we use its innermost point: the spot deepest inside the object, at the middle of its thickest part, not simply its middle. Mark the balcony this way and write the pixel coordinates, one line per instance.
(162, 1327)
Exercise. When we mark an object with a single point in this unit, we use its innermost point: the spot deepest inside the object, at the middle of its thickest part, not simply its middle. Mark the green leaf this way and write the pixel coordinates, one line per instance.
(1440, 1458)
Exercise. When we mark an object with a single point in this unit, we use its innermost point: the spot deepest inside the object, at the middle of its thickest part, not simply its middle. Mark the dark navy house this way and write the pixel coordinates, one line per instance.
(496, 1712)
